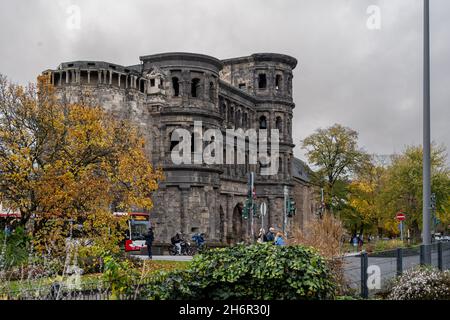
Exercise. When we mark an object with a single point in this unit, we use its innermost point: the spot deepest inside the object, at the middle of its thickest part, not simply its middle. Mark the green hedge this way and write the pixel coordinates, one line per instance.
(256, 272)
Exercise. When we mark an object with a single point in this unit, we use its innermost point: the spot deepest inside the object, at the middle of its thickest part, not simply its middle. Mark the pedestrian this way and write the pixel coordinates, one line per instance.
(270, 235)
(149, 237)
(261, 236)
(355, 242)
(176, 241)
(279, 241)
(360, 243)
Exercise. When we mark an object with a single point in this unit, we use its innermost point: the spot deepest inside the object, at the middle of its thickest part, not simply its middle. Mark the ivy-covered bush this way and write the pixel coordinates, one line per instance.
(14, 248)
(259, 272)
(120, 274)
(423, 283)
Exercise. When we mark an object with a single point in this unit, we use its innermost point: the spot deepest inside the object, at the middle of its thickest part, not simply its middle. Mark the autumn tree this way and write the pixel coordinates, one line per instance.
(403, 187)
(364, 211)
(335, 153)
(69, 162)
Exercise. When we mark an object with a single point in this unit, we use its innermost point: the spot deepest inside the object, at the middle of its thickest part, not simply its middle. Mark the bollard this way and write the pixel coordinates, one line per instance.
(364, 266)
(399, 261)
(425, 254)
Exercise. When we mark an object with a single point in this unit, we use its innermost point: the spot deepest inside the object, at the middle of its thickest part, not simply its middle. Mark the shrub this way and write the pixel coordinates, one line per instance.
(257, 272)
(423, 283)
(326, 235)
(14, 248)
(120, 274)
(383, 245)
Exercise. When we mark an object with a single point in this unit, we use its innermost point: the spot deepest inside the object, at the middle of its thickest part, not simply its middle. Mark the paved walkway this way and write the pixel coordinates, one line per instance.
(166, 258)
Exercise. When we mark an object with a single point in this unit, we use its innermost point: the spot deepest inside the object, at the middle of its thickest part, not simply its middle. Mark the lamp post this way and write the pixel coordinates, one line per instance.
(426, 235)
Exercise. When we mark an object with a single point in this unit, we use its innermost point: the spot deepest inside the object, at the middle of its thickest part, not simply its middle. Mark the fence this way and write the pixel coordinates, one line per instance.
(368, 274)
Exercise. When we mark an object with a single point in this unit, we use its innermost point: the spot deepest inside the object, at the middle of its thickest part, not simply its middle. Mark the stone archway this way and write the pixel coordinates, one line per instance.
(239, 224)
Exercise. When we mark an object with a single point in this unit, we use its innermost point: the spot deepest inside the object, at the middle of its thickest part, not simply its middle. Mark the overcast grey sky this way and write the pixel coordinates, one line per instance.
(369, 80)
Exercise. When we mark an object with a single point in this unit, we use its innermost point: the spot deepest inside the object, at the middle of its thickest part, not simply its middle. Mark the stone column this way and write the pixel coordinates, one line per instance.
(110, 77)
(272, 213)
(89, 76)
(126, 82)
(229, 217)
(184, 208)
(185, 81)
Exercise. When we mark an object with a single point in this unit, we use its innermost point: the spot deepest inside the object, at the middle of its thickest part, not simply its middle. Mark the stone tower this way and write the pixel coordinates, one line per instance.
(174, 90)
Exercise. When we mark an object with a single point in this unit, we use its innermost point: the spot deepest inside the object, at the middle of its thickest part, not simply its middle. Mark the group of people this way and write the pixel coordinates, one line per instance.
(276, 238)
(271, 236)
(176, 240)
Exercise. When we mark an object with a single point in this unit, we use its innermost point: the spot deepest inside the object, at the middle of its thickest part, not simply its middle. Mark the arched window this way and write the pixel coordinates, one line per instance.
(238, 119)
(176, 87)
(279, 124)
(262, 81)
(280, 165)
(195, 87)
(222, 107)
(245, 120)
(212, 91)
(262, 122)
(230, 114)
(278, 80)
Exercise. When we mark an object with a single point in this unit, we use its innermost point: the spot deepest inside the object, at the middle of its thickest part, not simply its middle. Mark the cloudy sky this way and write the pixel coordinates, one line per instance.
(367, 79)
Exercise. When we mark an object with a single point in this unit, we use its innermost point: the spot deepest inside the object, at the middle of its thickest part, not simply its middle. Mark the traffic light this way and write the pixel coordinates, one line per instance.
(250, 207)
(245, 210)
(290, 207)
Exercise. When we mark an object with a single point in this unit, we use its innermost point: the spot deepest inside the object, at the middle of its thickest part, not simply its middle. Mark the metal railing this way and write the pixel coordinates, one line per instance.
(368, 274)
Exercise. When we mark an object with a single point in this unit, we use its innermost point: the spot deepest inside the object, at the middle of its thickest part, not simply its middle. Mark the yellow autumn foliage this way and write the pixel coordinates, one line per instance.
(64, 162)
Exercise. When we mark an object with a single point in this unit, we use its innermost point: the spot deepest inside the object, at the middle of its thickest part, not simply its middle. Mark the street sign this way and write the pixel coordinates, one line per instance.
(263, 208)
(401, 216)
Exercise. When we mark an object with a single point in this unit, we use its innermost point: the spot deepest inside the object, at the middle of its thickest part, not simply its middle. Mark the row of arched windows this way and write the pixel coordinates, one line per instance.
(278, 123)
(238, 118)
(196, 87)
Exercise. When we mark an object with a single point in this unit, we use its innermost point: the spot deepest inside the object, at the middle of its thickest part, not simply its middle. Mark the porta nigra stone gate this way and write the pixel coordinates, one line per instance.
(172, 90)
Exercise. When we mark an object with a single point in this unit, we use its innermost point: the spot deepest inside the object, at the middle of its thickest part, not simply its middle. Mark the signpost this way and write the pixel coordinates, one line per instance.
(401, 217)
(286, 194)
(263, 210)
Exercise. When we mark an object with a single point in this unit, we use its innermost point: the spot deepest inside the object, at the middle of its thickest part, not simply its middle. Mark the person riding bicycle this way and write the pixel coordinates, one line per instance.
(176, 241)
(199, 240)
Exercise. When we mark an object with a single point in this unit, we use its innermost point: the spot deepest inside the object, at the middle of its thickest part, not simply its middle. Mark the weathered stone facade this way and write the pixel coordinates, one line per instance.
(172, 90)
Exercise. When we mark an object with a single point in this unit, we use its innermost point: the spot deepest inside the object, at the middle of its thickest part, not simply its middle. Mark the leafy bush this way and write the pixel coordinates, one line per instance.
(423, 283)
(120, 274)
(258, 272)
(14, 248)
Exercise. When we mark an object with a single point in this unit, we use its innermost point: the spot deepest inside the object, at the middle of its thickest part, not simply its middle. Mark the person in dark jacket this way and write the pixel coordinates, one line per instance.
(270, 235)
(149, 237)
